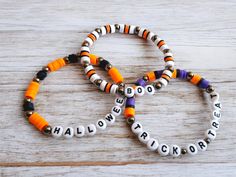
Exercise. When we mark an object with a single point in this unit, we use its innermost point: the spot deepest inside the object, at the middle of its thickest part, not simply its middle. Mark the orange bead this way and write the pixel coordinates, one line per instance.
(38, 121)
(161, 43)
(56, 64)
(93, 59)
(145, 34)
(32, 90)
(129, 112)
(115, 75)
(195, 79)
(174, 74)
(108, 87)
(126, 30)
(151, 76)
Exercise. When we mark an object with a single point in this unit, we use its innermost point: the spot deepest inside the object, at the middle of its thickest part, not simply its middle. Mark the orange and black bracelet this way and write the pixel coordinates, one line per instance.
(175, 150)
(57, 131)
(119, 86)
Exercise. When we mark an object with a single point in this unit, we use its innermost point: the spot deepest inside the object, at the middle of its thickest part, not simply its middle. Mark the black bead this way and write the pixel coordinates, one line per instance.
(28, 106)
(73, 58)
(103, 64)
(41, 75)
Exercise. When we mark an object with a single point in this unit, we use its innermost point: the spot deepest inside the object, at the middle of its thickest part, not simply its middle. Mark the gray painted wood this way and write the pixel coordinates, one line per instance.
(202, 37)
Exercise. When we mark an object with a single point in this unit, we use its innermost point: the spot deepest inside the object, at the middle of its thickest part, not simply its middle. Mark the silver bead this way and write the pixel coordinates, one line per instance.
(190, 75)
(100, 59)
(45, 68)
(136, 30)
(47, 130)
(85, 43)
(210, 89)
(98, 82)
(158, 85)
(183, 151)
(130, 120)
(145, 78)
(66, 60)
(121, 90)
(154, 38)
(28, 114)
(167, 51)
(36, 79)
(117, 26)
(108, 67)
(28, 100)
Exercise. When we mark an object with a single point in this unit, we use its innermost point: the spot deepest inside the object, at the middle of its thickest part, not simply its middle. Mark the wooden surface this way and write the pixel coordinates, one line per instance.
(202, 35)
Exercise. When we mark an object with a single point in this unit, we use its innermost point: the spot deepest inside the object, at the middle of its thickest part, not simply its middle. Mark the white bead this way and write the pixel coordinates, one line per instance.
(79, 131)
(122, 27)
(94, 77)
(131, 29)
(110, 119)
(149, 89)
(215, 125)
(169, 54)
(164, 47)
(163, 149)
(95, 33)
(113, 89)
(192, 149)
(170, 63)
(151, 34)
(89, 40)
(91, 129)
(144, 137)
(216, 114)
(88, 68)
(103, 29)
(101, 124)
(68, 132)
(211, 134)
(85, 48)
(139, 91)
(57, 131)
(201, 145)
(140, 33)
(163, 81)
(103, 85)
(119, 101)
(167, 72)
(116, 110)
(129, 92)
(175, 150)
(113, 28)
(137, 127)
(152, 144)
(217, 105)
(214, 96)
(158, 39)
(84, 59)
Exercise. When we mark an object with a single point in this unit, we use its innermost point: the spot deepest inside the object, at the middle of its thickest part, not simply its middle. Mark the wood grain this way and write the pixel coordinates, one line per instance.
(202, 35)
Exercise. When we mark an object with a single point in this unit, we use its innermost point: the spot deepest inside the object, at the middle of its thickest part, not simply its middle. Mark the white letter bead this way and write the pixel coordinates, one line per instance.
(110, 119)
(139, 91)
(129, 92)
(152, 144)
(175, 150)
(137, 127)
(215, 124)
(201, 145)
(144, 137)
(79, 131)
(192, 149)
(101, 124)
(150, 90)
(216, 114)
(163, 149)
(91, 129)
(119, 101)
(57, 131)
(116, 110)
(68, 132)
(217, 105)
(211, 134)
(214, 96)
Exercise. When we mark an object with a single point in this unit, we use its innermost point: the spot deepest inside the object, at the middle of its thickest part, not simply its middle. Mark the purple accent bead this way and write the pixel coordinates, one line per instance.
(203, 83)
(140, 82)
(130, 102)
(182, 74)
(158, 73)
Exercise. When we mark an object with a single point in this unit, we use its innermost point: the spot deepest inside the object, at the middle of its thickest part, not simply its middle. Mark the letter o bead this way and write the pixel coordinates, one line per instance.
(101, 124)
(192, 149)
(149, 89)
(139, 91)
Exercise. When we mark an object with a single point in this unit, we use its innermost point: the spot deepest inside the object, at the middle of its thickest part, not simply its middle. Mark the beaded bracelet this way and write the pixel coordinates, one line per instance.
(119, 86)
(57, 131)
(175, 150)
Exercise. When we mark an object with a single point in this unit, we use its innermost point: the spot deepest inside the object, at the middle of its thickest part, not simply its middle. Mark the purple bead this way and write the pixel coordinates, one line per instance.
(182, 74)
(130, 102)
(203, 83)
(140, 82)
(158, 73)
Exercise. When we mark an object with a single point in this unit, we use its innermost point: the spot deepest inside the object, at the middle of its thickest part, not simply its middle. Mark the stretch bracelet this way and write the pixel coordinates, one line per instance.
(57, 131)
(119, 86)
(175, 150)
